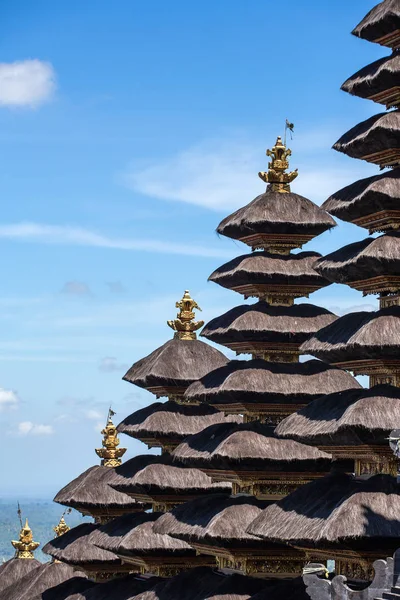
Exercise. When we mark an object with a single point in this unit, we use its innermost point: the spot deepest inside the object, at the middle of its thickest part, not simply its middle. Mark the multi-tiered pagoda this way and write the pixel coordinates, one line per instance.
(355, 519)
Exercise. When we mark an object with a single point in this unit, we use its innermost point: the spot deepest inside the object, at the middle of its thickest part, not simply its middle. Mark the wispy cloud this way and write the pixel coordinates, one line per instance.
(76, 236)
(76, 288)
(109, 364)
(8, 399)
(116, 287)
(27, 83)
(29, 428)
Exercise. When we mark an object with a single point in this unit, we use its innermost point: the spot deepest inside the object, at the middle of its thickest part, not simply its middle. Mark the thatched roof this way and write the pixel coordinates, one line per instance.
(366, 197)
(263, 323)
(92, 490)
(76, 588)
(359, 335)
(109, 536)
(290, 589)
(170, 419)
(217, 519)
(76, 548)
(276, 213)
(14, 569)
(264, 268)
(377, 134)
(35, 583)
(381, 21)
(120, 588)
(336, 508)
(249, 445)
(363, 260)
(347, 418)
(380, 76)
(258, 381)
(144, 541)
(175, 364)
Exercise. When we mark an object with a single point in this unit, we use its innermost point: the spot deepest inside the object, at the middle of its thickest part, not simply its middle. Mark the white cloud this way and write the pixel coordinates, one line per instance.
(223, 175)
(26, 83)
(109, 364)
(93, 415)
(65, 235)
(8, 399)
(29, 428)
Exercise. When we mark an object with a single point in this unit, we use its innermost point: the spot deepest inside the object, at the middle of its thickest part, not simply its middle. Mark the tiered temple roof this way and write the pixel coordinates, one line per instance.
(381, 25)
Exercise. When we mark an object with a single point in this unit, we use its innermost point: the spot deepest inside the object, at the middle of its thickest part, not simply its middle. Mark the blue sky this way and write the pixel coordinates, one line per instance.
(128, 130)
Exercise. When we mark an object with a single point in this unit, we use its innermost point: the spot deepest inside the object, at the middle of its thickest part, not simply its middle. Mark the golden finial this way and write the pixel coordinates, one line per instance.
(183, 325)
(25, 546)
(276, 175)
(110, 453)
(61, 528)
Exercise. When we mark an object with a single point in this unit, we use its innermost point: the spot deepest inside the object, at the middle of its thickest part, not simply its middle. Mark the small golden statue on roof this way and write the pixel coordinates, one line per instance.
(276, 175)
(110, 453)
(184, 325)
(61, 528)
(25, 546)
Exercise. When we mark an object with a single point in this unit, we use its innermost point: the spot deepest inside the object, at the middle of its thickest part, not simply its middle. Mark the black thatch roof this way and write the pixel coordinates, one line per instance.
(383, 21)
(264, 268)
(35, 583)
(258, 381)
(14, 569)
(290, 589)
(366, 197)
(263, 323)
(375, 79)
(76, 548)
(120, 588)
(175, 365)
(217, 519)
(249, 445)
(336, 508)
(359, 335)
(378, 134)
(369, 258)
(109, 536)
(92, 490)
(276, 213)
(76, 588)
(171, 419)
(144, 541)
(348, 418)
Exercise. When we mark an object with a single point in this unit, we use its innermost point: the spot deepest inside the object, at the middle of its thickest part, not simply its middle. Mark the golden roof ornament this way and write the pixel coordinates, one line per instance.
(25, 546)
(110, 453)
(61, 528)
(276, 175)
(184, 324)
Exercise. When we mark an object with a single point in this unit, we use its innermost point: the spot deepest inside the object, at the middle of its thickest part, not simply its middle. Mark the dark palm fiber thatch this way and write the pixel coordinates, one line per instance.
(366, 197)
(334, 509)
(377, 134)
(124, 473)
(218, 519)
(75, 588)
(14, 569)
(144, 541)
(236, 587)
(170, 418)
(110, 535)
(35, 583)
(261, 322)
(366, 259)
(382, 20)
(258, 381)
(264, 268)
(347, 418)
(91, 489)
(196, 584)
(273, 212)
(249, 445)
(76, 547)
(381, 75)
(357, 336)
(121, 588)
(291, 589)
(175, 364)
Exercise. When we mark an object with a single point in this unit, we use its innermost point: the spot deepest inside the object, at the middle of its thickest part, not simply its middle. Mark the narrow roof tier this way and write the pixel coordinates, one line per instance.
(381, 25)
(258, 388)
(109, 535)
(268, 276)
(75, 588)
(165, 486)
(14, 569)
(363, 342)
(353, 424)
(372, 203)
(128, 587)
(253, 459)
(376, 140)
(217, 526)
(35, 584)
(262, 329)
(371, 266)
(339, 517)
(166, 424)
(276, 220)
(378, 81)
(77, 549)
